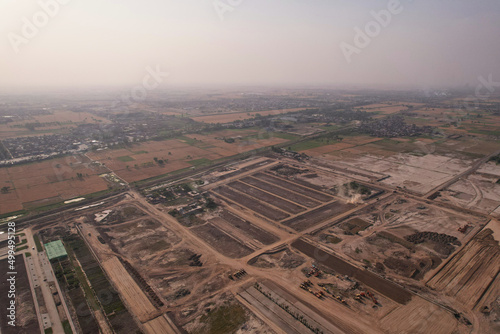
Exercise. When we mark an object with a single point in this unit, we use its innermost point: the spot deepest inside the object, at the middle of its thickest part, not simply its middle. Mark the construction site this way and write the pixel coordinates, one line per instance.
(272, 244)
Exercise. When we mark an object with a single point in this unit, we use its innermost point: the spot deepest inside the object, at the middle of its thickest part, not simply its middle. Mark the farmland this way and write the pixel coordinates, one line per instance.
(48, 182)
(151, 159)
(231, 117)
(52, 122)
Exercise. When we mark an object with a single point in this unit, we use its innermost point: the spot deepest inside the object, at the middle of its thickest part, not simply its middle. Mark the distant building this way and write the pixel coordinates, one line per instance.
(55, 250)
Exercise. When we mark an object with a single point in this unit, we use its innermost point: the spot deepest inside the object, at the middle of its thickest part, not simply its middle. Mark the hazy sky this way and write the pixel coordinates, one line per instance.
(108, 42)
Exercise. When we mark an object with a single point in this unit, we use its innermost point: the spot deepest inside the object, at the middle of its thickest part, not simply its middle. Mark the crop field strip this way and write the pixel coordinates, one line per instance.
(221, 241)
(282, 192)
(252, 204)
(318, 215)
(245, 169)
(383, 286)
(235, 233)
(268, 198)
(307, 191)
(264, 237)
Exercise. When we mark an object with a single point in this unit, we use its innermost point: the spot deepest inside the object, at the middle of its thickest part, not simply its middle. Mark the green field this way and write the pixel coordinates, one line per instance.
(271, 134)
(67, 327)
(225, 319)
(199, 162)
(309, 144)
(38, 244)
(125, 158)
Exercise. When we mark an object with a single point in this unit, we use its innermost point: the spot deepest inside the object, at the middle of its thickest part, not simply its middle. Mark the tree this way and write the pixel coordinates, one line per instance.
(5, 189)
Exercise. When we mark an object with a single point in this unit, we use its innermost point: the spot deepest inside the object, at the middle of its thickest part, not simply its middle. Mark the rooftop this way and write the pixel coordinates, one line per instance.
(55, 250)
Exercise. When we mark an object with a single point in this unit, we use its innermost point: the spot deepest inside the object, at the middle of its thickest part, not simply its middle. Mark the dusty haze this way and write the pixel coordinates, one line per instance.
(106, 43)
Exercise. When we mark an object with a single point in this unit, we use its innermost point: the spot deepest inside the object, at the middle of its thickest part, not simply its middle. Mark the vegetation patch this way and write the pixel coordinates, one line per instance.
(125, 158)
(199, 162)
(225, 319)
(355, 225)
(38, 244)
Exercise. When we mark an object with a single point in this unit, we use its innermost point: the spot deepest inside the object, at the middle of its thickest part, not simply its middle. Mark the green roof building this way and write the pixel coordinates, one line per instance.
(55, 250)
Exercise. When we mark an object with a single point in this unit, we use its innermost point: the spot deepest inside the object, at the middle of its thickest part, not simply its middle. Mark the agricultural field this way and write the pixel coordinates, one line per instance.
(151, 159)
(58, 121)
(49, 182)
(231, 117)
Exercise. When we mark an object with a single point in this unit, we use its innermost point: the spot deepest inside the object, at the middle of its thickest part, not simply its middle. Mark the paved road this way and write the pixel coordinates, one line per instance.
(41, 268)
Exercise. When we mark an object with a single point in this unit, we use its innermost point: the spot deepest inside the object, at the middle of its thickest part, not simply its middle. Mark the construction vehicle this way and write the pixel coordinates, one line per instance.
(375, 301)
(314, 272)
(340, 300)
(463, 229)
(319, 294)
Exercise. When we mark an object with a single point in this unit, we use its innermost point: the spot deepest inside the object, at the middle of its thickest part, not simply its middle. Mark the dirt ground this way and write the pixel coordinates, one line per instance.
(469, 274)
(378, 240)
(386, 248)
(479, 190)
(420, 316)
(284, 259)
(134, 297)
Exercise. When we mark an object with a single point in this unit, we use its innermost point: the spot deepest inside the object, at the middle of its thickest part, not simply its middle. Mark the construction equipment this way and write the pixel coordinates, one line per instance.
(464, 228)
(315, 271)
(375, 301)
(240, 273)
(319, 294)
